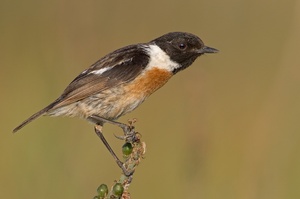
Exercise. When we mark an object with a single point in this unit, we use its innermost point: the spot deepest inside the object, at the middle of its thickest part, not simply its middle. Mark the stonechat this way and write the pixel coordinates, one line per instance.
(120, 81)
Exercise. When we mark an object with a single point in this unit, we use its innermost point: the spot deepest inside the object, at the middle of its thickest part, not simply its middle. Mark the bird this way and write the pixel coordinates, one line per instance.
(119, 82)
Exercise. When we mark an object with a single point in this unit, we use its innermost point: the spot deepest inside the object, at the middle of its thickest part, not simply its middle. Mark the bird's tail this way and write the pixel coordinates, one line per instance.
(36, 115)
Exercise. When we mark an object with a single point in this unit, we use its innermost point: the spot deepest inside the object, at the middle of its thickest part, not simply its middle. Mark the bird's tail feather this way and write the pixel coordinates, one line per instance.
(36, 115)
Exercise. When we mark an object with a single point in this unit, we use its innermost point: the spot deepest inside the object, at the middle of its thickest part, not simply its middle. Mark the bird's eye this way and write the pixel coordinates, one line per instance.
(182, 46)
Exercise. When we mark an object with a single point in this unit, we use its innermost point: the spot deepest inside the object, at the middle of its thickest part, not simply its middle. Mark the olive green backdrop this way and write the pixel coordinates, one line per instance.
(225, 128)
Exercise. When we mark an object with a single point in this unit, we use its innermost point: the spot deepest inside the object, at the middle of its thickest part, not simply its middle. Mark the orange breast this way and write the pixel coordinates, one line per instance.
(149, 82)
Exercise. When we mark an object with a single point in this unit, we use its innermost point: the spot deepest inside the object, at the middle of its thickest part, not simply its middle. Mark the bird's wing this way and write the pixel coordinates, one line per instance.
(116, 68)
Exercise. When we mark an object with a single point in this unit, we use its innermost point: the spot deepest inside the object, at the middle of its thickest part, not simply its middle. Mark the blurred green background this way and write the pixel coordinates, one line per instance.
(227, 127)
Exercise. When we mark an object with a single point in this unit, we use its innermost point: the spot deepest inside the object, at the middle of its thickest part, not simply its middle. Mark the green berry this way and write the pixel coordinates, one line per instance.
(118, 189)
(96, 197)
(127, 148)
(102, 190)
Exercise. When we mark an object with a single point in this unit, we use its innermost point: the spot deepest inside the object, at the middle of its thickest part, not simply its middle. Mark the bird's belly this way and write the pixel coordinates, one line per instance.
(110, 104)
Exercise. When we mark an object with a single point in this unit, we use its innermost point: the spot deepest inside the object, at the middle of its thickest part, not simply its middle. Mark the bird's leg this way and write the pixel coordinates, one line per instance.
(98, 130)
(129, 132)
(100, 120)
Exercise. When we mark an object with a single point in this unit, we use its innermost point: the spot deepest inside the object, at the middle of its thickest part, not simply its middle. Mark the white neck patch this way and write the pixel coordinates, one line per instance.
(160, 59)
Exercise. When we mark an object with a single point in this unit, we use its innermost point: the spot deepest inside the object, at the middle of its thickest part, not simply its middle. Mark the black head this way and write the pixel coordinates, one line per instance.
(182, 47)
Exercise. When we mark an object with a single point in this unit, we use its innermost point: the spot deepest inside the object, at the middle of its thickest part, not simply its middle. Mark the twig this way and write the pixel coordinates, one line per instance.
(133, 152)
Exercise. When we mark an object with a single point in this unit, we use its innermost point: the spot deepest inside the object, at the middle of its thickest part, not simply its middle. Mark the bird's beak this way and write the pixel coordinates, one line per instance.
(207, 49)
